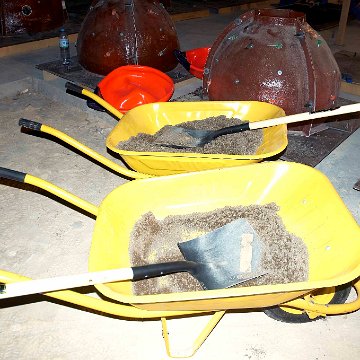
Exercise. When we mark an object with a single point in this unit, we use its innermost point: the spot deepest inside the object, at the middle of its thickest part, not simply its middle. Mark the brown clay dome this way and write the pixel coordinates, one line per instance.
(127, 32)
(273, 56)
(30, 16)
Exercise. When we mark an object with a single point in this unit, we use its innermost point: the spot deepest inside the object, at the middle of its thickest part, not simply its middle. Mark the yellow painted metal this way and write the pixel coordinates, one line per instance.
(309, 207)
(150, 118)
(320, 296)
(91, 153)
(53, 189)
(103, 103)
(190, 351)
(312, 314)
(332, 309)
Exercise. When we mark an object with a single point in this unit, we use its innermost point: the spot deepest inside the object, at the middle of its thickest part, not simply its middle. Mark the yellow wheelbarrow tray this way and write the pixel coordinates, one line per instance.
(309, 207)
(150, 118)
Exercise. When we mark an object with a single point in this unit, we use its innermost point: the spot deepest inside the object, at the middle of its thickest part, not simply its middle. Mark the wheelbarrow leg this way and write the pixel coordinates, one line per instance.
(190, 351)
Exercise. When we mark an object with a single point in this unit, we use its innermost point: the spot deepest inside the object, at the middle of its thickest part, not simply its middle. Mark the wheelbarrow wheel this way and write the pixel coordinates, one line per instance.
(336, 295)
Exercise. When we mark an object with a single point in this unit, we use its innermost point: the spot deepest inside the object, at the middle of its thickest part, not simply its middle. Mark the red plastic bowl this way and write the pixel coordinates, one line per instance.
(132, 85)
(197, 59)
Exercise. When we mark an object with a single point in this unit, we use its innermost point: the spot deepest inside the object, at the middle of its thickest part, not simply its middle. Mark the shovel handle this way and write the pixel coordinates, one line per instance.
(346, 109)
(62, 282)
(99, 277)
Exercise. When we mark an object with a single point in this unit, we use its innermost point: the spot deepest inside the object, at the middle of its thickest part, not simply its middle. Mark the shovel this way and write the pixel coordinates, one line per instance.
(214, 265)
(213, 259)
(181, 138)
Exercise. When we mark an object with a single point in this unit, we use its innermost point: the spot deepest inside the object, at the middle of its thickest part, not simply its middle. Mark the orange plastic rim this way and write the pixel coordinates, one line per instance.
(132, 85)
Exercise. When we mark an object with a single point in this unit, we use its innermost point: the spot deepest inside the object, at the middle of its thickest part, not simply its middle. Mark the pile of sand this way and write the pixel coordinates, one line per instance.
(284, 256)
(244, 143)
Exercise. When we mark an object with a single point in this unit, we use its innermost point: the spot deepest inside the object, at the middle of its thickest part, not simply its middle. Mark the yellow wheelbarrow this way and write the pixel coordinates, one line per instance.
(309, 207)
(149, 118)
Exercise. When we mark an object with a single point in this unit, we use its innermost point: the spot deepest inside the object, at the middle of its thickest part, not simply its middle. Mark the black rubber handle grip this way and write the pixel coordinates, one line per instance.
(181, 58)
(232, 129)
(29, 124)
(153, 270)
(73, 87)
(12, 174)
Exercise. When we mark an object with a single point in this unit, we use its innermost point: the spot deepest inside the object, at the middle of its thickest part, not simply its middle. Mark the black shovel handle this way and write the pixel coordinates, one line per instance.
(181, 58)
(154, 270)
(12, 174)
(231, 130)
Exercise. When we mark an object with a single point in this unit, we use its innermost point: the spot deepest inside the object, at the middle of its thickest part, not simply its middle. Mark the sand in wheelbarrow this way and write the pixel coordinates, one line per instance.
(245, 143)
(284, 256)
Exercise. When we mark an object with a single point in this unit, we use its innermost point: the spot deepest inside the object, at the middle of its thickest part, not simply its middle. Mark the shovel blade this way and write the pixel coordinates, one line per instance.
(218, 254)
(181, 138)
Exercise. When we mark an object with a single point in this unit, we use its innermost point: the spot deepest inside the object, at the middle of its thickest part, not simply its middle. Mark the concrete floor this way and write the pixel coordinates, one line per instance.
(42, 237)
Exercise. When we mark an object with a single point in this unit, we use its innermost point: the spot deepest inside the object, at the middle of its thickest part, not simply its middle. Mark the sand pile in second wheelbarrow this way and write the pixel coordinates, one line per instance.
(284, 256)
(244, 143)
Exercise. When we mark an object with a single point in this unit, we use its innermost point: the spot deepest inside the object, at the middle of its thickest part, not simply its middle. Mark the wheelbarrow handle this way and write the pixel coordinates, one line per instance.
(47, 186)
(89, 94)
(92, 104)
(74, 88)
(181, 58)
(12, 175)
(37, 126)
(30, 124)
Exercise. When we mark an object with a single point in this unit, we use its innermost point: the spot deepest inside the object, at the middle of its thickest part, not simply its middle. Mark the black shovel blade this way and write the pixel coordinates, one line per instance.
(218, 255)
(181, 138)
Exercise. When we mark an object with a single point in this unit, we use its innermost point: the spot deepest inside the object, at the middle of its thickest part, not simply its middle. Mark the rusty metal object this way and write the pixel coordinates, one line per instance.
(30, 16)
(273, 55)
(127, 32)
